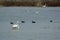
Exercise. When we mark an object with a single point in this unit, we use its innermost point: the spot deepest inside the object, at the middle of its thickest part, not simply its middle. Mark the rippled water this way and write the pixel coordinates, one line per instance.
(43, 29)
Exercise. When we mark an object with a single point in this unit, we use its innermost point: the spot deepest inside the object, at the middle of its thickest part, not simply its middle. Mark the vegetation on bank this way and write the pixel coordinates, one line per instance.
(31, 3)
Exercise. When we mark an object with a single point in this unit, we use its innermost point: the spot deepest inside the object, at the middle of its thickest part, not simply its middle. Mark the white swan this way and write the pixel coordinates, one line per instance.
(15, 27)
(44, 5)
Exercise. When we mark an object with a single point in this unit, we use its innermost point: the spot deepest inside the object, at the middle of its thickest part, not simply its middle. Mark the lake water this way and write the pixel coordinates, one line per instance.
(43, 29)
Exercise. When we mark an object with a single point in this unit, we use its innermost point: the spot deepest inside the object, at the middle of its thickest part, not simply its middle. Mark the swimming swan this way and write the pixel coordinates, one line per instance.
(15, 26)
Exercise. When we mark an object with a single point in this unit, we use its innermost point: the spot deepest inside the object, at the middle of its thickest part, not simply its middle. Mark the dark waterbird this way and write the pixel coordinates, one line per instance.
(51, 21)
(11, 23)
(33, 22)
(22, 21)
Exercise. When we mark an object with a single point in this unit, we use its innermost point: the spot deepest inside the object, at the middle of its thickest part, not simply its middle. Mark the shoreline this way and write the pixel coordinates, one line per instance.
(32, 4)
